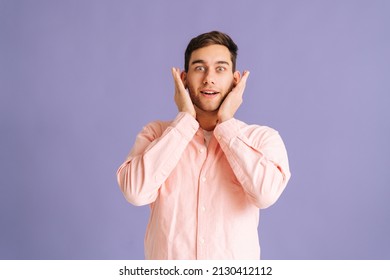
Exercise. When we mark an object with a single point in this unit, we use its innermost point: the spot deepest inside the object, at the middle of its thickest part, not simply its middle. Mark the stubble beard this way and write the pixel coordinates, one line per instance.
(198, 103)
(207, 108)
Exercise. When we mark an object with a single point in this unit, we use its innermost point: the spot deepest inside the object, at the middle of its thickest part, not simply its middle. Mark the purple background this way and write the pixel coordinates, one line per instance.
(79, 79)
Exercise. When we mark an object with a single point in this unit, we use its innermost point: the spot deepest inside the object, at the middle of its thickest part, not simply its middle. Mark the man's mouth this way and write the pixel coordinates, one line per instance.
(209, 92)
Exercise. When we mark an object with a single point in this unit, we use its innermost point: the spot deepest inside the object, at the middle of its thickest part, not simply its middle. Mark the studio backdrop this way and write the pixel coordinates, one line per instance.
(79, 80)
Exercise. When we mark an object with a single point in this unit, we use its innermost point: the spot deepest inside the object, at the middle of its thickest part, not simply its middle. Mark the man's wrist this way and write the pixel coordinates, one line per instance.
(188, 112)
(227, 129)
(222, 118)
(185, 124)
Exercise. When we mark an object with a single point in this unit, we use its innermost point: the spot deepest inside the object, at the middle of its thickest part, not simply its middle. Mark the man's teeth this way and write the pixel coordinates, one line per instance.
(209, 92)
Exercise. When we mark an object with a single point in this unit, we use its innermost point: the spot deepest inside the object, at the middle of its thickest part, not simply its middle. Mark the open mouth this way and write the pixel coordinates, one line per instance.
(209, 92)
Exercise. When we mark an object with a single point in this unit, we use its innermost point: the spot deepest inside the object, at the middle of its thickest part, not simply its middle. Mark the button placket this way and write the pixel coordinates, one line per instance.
(203, 153)
(202, 218)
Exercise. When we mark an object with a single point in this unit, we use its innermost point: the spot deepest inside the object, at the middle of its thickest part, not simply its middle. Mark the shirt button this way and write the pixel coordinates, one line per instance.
(203, 208)
(203, 179)
(219, 137)
(201, 150)
(202, 240)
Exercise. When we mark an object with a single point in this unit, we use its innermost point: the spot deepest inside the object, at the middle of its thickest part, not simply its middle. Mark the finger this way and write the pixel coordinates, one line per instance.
(177, 79)
(175, 75)
(242, 83)
(245, 76)
(240, 87)
(174, 72)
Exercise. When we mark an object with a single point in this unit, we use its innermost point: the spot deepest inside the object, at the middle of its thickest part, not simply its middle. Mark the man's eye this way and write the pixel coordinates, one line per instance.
(221, 69)
(199, 68)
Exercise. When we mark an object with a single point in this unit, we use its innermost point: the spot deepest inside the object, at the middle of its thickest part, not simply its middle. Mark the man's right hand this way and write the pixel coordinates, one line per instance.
(182, 98)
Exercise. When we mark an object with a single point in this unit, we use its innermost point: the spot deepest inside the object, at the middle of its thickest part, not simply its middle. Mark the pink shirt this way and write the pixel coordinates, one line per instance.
(204, 200)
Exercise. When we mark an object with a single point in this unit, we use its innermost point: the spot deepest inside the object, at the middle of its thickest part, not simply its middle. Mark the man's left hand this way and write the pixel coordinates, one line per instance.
(233, 100)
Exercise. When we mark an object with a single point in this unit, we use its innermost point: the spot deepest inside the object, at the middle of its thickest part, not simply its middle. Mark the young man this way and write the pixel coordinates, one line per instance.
(205, 174)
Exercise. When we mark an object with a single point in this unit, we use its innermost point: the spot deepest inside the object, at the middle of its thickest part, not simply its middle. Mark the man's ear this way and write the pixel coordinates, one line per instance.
(183, 77)
(236, 77)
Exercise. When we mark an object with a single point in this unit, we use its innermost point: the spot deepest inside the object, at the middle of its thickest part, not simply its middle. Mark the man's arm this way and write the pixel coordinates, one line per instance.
(256, 154)
(154, 155)
(258, 158)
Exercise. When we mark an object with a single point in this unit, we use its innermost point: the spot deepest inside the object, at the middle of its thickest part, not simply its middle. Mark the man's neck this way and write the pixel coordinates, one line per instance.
(207, 120)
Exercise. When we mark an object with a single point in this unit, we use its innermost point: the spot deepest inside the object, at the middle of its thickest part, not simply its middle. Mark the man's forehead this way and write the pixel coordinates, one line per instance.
(213, 54)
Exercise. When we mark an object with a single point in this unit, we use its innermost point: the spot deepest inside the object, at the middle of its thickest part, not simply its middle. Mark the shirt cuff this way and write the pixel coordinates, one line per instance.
(186, 125)
(227, 130)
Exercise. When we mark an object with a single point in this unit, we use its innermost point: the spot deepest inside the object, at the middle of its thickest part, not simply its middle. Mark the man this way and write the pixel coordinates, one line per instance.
(205, 174)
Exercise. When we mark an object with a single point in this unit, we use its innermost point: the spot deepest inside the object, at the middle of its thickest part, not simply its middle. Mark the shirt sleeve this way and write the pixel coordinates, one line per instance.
(153, 157)
(258, 158)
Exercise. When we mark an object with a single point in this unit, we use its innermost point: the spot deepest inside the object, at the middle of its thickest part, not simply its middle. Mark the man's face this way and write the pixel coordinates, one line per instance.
(210, 77)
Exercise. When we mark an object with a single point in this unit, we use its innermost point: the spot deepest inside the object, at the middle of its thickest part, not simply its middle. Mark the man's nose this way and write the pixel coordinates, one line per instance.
(209, 77)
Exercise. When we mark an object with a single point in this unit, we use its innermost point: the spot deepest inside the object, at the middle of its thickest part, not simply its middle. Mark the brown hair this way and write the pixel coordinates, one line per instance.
(207, 39)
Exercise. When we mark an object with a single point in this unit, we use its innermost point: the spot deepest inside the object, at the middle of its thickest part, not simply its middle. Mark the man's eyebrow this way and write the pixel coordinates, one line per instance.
(201, 61)
(223, 62)
(197, 61)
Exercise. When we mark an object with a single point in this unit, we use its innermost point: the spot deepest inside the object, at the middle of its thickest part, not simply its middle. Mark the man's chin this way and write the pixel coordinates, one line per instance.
(207, 109)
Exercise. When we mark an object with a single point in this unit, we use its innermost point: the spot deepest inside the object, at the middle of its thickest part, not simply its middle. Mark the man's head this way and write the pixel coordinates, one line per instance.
(209, 75)
(207, 39)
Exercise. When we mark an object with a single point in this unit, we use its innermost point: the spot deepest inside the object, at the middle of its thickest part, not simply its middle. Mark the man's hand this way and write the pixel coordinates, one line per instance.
(233, 100)
(182, 98)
